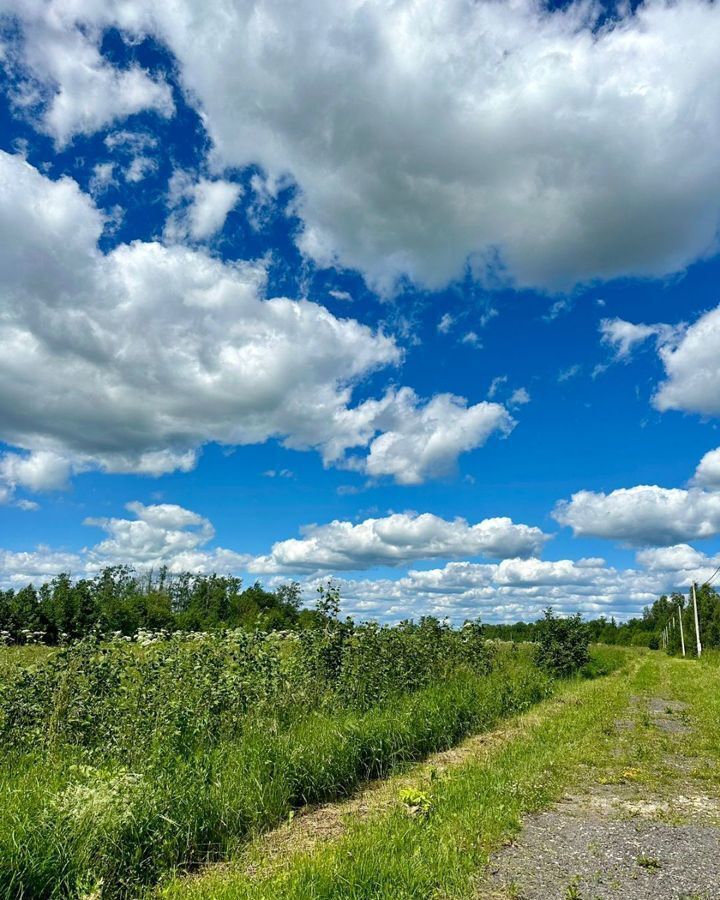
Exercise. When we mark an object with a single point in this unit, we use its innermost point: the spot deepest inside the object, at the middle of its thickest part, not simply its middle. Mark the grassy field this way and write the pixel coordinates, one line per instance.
(123, 762)
(439, 846)
(167, 768)
(436, 834)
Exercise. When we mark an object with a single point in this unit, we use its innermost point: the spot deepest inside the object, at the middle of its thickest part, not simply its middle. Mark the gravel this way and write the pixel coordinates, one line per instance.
(615, 840)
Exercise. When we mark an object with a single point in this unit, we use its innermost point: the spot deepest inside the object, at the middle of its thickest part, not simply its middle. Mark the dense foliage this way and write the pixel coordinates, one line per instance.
(563, 644)
(121, 759)
(188, 690)
(120, 600)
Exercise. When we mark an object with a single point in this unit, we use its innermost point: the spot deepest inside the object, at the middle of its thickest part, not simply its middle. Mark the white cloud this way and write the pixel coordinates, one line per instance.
(519, 397)
(140, 168)
(496, 384)
(642, 515)
(707, 473)
(131, 360)
(159, 533)
(396, 540)
(204, 206)
(446, 323)
(471, 338)
(421, 441)
(27, 505)
(509, 591)
(677, 558)
(623, 337)
(65, 81)
(570, 372)
(132, 143)
(102, 178)
(406, 125)
(35, 566)
(692, 369)
(167, 534)
(39, 471)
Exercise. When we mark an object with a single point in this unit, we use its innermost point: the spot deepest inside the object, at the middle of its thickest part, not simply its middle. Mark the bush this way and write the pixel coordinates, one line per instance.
(563, 644)
(82, 817)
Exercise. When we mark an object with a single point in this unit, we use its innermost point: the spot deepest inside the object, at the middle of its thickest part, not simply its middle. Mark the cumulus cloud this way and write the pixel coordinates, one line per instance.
(514, 588)
(707, 473)
(689, 354)
(509, 591)
(140, 168)
(131, 360)
(692, 369)
(421, 441)
(406, 125)
(396, 540)
(63, 80)
(680, 558)
(39, 471)
(203, 206)
(519, 397)
(102, 178)
(18, 568)
(642, 515)
(161, 534)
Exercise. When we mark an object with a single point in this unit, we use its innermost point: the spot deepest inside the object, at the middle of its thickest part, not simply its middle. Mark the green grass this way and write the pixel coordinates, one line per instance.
(80, 818)
(465, 813)
(439, 851)
(14, 658)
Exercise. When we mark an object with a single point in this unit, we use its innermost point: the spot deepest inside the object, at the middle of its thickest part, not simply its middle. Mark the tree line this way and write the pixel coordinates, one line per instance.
(641, 631)
(119, 599)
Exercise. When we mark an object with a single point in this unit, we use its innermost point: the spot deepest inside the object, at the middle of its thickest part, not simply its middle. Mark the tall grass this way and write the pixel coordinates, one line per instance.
(468, 811)
(122, 762)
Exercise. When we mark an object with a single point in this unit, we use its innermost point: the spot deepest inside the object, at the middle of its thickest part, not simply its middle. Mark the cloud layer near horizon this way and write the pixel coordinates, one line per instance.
(514, 588)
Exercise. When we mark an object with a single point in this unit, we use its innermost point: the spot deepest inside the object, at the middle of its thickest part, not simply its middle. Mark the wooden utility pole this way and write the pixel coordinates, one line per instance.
(697, 623)
(682, 635)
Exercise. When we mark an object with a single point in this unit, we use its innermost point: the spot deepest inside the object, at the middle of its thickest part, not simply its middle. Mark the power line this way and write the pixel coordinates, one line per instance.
(713, 576)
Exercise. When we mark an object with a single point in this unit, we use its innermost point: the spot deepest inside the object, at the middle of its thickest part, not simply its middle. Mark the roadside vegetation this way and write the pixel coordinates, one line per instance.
(123, 760)
(437, 834)
(129, 757)
(434, 839)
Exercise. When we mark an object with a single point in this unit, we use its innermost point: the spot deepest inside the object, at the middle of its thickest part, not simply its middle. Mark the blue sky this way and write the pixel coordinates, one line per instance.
(419, 296)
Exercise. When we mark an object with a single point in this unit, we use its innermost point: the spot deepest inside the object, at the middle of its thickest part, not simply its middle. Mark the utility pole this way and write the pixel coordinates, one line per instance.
(697, 623)
(682, 635)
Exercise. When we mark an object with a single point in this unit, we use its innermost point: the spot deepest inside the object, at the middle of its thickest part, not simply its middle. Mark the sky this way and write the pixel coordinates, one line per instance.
(418, 296)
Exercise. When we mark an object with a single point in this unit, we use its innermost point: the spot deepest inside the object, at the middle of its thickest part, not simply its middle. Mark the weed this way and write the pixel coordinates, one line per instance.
(417, 802)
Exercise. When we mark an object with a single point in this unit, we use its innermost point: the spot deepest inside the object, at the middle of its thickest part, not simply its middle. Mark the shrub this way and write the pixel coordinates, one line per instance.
(563, 644)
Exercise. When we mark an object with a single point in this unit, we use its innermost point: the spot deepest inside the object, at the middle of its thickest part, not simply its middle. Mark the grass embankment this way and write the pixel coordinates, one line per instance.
(121, 763)
(436, 844)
